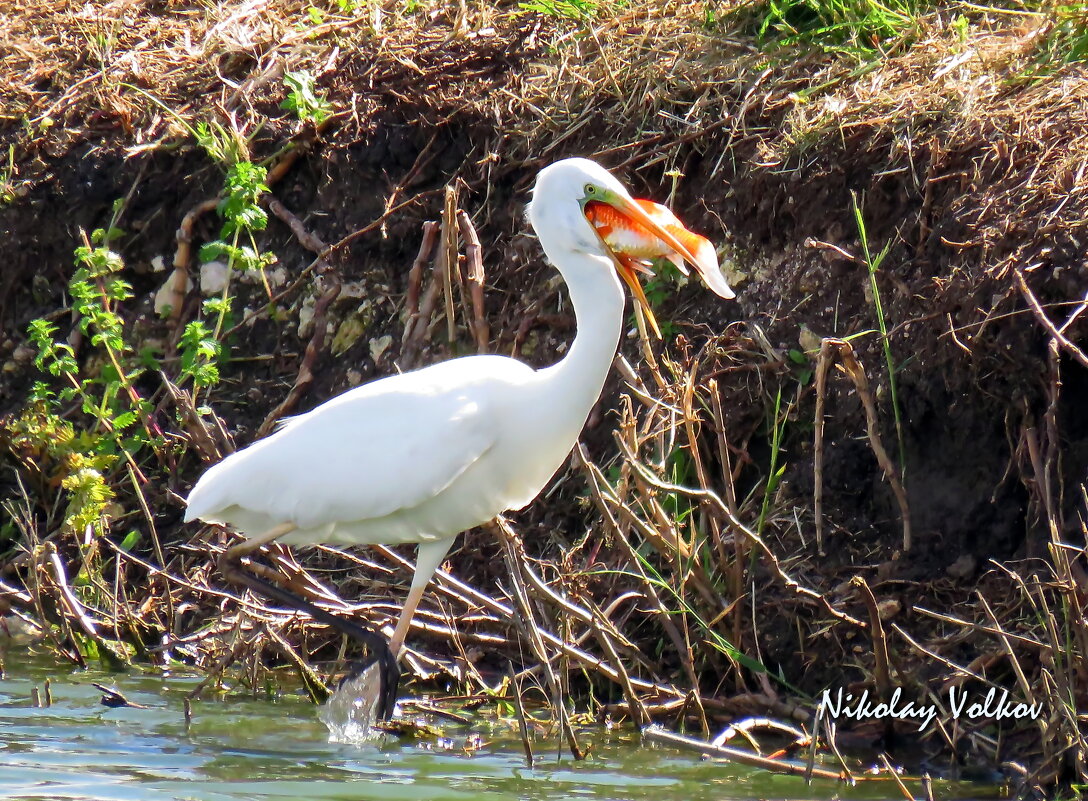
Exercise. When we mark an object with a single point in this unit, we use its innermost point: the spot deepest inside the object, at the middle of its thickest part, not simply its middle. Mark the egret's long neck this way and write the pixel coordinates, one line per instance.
(575, 382)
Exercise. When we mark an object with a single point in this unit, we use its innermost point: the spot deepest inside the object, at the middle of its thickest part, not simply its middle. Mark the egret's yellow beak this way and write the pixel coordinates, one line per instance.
(627, 267)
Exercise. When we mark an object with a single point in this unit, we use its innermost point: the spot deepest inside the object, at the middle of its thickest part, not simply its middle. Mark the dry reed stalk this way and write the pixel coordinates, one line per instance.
(199, 435)
(523, 726)
(739, 527)
(425, 156)
(1018, 670)
(1076, 353)
(856, 373)
(690, 418)
(957, 672)
(881, 672)
(779, 766)
(736, 568)
(634, 704)
(415, 335)
(37, 591)
(822, 365)
(305, 237)
(506, 613)
(179, 280)
(744, 728)
(214, 673)
(73, 609)
(515, 559)
(473, 253)
(415, 278)
(448, 265)
(1059, 685)
(894, 774)
(604, 502)
(156, 543)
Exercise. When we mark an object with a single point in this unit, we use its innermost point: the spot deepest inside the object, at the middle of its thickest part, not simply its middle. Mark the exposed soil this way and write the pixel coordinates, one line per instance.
(973, 173)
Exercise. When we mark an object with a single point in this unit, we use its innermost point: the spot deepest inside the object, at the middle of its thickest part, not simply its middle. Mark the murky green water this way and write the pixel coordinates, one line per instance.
(246, 749)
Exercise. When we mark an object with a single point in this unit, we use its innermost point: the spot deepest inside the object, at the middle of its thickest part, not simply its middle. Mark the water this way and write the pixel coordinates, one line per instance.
(241, 748)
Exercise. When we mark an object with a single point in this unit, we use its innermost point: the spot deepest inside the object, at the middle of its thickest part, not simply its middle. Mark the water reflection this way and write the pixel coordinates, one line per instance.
(244, 749)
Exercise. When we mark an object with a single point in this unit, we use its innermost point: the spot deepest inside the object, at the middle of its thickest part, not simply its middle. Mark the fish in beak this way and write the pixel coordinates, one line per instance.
(636, 231)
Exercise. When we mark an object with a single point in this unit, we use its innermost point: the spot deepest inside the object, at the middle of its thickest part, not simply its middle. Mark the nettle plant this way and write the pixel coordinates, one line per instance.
(303, 98)
(236, 246)
(117, 430)
(242, 215)
(120, 428)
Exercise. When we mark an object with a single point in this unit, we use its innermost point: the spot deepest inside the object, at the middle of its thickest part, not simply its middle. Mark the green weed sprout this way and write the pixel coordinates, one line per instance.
(304, 100)
(579, 10)
(851, 25)
(873, 264)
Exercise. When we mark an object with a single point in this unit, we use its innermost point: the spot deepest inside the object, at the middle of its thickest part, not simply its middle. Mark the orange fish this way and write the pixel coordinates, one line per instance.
(624, 235)
(634, 246)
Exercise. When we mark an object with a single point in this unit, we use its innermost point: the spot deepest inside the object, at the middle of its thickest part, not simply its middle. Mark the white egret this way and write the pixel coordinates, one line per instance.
(422, 456)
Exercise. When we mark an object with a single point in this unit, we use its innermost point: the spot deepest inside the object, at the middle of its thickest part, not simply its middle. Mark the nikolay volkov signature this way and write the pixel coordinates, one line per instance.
(995, 704)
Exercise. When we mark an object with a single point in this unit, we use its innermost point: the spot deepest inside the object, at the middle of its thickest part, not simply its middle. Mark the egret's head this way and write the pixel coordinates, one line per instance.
(562, 190)
(558, 214)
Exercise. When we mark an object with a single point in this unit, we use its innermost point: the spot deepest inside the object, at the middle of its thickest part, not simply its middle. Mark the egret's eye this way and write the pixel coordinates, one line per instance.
(591, 189)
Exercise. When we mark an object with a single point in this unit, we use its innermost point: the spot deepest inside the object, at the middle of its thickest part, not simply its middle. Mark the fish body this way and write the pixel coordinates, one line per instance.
(628, 237)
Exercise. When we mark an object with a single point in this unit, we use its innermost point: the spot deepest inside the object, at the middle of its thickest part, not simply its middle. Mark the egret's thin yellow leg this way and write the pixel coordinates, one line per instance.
(236, 552)
(396, 642)
(230, 561)
(428, 558)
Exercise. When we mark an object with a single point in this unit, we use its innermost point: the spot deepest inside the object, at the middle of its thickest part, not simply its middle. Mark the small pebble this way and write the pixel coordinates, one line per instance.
(214, 276)
(962, 567)
(24, 354)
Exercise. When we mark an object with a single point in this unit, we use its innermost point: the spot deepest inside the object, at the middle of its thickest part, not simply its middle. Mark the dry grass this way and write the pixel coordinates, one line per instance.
(68, 73)
(638, 84)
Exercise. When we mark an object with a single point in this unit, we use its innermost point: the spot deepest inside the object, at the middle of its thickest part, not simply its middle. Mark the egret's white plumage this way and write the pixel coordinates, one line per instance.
(422, 456)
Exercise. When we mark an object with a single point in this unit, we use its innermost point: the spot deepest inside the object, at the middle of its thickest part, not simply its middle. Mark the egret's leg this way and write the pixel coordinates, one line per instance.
(428, 557)
(233, 556)
(389, 675)
(236, 552)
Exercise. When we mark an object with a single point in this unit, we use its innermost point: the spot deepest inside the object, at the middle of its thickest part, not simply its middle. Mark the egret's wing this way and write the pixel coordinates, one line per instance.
(382, 447)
